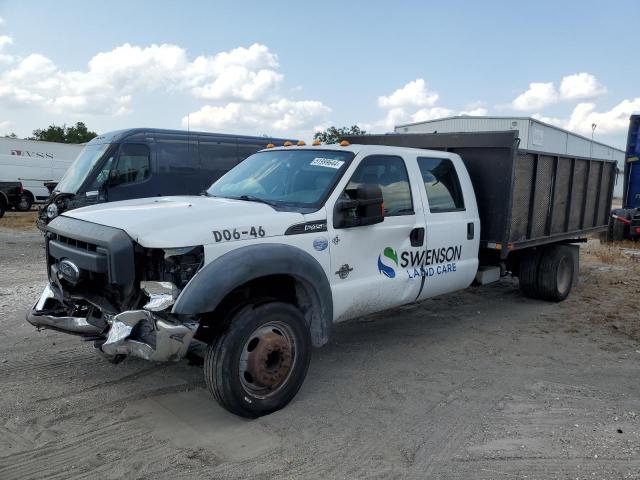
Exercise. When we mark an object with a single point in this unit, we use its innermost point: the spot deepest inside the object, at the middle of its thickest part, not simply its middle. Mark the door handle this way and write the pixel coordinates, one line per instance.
(470, 231)
(417, 237)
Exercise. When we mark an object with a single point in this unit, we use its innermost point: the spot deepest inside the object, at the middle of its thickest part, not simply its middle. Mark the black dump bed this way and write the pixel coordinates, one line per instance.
(525, 198)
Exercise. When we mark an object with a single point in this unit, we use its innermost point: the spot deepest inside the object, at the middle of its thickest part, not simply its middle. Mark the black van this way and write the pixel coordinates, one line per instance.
(143, 162)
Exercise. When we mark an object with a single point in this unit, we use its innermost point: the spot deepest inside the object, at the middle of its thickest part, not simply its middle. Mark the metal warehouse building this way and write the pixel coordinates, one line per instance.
(534, 136)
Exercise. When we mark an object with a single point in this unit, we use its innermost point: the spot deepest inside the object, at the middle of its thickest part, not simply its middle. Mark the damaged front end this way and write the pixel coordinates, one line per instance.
(107, 289)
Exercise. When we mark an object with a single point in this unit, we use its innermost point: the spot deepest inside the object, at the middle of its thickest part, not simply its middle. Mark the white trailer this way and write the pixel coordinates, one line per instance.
(34, 163)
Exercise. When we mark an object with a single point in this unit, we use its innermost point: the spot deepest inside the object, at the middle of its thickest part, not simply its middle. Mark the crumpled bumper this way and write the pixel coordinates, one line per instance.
(139, 333)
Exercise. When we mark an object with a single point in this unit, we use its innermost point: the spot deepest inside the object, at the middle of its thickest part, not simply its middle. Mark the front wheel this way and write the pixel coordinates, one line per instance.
(259, 363)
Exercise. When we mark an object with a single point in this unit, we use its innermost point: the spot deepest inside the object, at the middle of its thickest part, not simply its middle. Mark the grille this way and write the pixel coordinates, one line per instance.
(72, 242)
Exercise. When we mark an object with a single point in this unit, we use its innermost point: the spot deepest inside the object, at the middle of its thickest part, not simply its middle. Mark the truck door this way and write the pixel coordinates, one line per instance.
(367, 274)
(450, 258)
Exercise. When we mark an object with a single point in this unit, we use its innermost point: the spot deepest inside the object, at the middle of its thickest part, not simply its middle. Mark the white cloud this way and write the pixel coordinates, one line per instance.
(539, 95)
(615, 120)
(113, 78)
(240, 83)
(1, 21)
(279, 117)
(572, 87)
(432, 113)
(581, 85)
(5, 40)
(413, 94)
(414, 102)
(5, 124)
(475, 112)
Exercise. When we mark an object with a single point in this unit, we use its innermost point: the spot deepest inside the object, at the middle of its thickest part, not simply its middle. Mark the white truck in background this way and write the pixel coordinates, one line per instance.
(34, 163)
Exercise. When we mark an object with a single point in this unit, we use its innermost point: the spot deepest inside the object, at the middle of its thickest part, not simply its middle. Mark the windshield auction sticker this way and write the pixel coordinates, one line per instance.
(327, 162)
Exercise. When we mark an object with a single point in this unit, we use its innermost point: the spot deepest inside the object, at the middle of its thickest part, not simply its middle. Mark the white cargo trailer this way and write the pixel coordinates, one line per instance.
(34, 163)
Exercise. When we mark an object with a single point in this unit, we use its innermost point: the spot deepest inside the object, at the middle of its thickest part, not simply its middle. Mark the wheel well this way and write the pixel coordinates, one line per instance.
(3, 199)
(28, 192)
(283, 288)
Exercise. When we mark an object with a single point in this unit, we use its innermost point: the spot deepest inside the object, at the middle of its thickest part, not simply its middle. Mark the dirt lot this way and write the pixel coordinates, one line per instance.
(483, 384)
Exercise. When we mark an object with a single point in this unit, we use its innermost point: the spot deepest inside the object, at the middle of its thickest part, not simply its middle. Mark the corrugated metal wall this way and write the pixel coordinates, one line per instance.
(534, 135)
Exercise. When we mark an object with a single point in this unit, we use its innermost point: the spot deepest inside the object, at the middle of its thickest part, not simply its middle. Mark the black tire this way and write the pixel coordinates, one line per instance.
(607, 235)
(3, 208)
(528, 273)
(618, 229)
(555, 273)
(24, 205)
(259, 335)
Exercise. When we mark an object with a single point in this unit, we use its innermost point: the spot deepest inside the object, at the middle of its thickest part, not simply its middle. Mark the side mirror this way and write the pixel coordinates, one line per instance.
(114, 178)
(363, 207)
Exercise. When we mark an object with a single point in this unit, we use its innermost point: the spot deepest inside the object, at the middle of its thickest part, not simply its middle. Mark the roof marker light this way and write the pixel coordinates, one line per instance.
(287, 143)
(270, 145)
(344, 143)
(301, 143)
(316, 143)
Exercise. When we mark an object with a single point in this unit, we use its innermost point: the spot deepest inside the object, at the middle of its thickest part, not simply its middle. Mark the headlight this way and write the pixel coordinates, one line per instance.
(183, 263)
(175, 265)
(52, 211)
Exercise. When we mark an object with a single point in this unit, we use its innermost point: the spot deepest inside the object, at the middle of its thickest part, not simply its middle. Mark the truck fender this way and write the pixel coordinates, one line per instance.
(217, 279)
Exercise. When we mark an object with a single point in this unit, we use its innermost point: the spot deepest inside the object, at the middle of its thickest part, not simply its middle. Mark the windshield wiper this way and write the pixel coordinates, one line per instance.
(251, 198)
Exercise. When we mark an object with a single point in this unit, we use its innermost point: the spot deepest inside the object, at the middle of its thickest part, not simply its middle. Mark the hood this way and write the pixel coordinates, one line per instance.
(171, 222)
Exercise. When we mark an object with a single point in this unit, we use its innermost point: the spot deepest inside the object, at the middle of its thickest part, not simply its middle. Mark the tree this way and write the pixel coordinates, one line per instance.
(335, 135)
(10, 135)
(75, 134)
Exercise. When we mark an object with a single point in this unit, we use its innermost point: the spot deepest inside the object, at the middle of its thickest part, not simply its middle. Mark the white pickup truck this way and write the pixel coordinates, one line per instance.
(289, 242)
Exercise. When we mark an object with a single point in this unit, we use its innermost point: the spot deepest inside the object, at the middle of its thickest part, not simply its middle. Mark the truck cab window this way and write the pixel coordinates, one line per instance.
(390, 173)
(133, 163)
(442, 184)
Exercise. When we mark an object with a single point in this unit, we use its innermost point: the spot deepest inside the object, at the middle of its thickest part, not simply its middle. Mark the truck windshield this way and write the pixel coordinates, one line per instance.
(81, 167)
(300, 178)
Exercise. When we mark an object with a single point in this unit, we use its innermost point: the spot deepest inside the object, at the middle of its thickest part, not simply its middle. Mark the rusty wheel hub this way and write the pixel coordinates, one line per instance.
(267, 359)
(270, 360)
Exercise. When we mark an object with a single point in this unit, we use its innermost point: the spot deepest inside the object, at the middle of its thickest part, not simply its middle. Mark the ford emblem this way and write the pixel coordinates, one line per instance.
(69, 271)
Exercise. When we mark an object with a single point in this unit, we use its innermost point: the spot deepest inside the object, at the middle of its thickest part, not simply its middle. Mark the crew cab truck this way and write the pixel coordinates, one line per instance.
(287, 243)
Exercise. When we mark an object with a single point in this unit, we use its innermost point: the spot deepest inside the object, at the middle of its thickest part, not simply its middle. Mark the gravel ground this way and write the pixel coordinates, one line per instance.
(481, 384)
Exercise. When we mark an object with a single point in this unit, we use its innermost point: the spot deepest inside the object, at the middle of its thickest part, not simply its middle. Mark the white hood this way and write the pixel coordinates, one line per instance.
(171, 222)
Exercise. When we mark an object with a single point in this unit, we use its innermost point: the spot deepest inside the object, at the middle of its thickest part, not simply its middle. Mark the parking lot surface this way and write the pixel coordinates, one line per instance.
(481, 384)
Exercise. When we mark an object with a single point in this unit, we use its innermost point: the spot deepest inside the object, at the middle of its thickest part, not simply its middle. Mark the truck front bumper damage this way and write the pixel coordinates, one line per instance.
(139, 333)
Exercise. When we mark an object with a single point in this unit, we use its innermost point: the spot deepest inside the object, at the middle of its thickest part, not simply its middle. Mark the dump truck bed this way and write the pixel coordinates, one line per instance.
(525, 198)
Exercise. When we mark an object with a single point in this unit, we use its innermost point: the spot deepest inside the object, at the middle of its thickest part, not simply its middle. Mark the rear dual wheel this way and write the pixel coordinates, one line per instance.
(259, 363)
(548, 274)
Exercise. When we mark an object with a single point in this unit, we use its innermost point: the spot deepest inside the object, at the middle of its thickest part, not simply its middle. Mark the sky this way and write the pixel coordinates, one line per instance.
(289, 69)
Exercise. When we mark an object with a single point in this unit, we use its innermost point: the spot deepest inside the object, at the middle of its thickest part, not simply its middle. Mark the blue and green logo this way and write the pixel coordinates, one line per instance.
(386, 260)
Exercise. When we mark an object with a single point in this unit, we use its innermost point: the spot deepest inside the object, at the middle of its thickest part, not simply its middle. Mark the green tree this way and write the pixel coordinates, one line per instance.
(10, 135)
(335, 135)
(54, 133)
